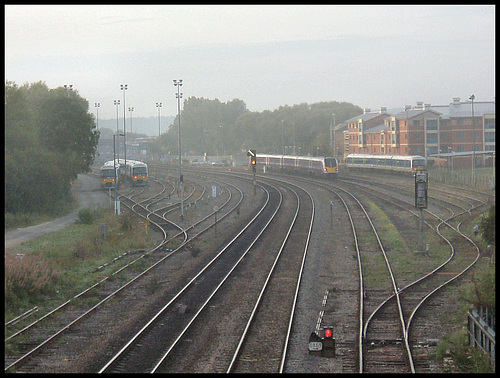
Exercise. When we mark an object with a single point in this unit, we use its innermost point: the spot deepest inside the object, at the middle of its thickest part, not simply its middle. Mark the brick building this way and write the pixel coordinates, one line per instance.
(423, 130)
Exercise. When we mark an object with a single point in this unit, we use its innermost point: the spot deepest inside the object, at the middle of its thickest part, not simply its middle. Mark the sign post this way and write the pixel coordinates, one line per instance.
(421, 203)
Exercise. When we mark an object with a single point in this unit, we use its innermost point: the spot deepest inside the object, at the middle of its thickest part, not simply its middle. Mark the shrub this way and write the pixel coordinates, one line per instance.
(27, 276)
(85, 216)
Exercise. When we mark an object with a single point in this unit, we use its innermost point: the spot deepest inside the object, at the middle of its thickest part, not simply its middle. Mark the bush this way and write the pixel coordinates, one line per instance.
(27, 276)
(85, 216)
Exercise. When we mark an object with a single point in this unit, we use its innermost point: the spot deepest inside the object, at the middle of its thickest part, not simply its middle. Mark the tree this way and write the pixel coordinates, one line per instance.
(49, 139)
(487, 226)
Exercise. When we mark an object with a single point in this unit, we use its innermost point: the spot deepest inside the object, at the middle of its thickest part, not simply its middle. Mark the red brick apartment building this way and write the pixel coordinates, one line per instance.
(423, 130)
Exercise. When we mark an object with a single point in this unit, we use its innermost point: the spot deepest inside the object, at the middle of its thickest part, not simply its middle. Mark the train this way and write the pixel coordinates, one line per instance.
(134, 171)
(109, 173)
(323, 166)
(399, 163)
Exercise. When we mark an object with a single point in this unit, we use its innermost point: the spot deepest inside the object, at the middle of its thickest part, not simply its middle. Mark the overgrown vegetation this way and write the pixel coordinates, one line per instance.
(50, 137)
(56, 266)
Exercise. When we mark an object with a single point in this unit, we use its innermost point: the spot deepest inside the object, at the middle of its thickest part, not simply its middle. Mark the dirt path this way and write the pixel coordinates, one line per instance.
(88, 194)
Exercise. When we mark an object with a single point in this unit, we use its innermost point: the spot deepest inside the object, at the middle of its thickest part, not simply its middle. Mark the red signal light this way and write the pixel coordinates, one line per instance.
(328, 333)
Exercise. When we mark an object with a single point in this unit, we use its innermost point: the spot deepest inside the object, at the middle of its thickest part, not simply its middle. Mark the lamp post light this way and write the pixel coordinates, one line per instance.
(117, 104)
(68, 87)
(117, 203)
(124, 87)
(158, 105)
(332, 134)
(472, 97)
(178, 95)
(97, 106)
(131, 109)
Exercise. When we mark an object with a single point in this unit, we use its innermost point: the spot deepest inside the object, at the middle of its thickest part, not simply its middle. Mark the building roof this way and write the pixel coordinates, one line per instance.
(376, 129)
(367, 116)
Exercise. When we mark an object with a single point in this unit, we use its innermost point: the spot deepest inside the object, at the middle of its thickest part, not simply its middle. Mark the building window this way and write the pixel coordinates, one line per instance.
(489, 123)
(432, 138)
(489, 137)
(432, 124)
(460, 135)
(415, 122)
(460, 122)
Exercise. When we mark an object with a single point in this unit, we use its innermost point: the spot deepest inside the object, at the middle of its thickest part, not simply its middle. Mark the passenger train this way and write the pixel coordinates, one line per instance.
(401, 163)
(135, 171)
(109, 173)
(324, 166)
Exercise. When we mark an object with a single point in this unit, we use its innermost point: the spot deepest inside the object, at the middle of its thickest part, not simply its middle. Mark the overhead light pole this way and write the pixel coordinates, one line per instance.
(472, 97)
(158, 105)
(178, 95)
(117, 203)
(124, 87)
(131, 109)
(97, 106)
(117, 104)
(68, 87)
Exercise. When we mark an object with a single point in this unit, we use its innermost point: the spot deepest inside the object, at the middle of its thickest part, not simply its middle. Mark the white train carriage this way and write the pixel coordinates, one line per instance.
(402, 163)
(327, 166)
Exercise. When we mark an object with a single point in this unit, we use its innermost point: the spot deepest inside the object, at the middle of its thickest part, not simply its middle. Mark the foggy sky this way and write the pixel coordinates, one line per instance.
(267, 56)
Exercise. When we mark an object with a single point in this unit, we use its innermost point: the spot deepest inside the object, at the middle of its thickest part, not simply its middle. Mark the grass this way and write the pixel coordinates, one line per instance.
(53, 268)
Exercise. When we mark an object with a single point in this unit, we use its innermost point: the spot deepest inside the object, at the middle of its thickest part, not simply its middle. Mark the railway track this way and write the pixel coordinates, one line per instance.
(237, 314)
(24, 360)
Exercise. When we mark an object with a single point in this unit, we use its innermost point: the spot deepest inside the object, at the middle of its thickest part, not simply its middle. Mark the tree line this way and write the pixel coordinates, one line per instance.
(50, 137)
(217, 128)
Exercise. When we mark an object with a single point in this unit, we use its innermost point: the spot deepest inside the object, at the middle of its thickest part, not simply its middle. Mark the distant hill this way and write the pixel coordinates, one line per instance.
(140, 125)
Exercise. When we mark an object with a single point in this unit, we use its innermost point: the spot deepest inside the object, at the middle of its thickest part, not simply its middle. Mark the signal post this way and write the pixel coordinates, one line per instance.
(253, 163)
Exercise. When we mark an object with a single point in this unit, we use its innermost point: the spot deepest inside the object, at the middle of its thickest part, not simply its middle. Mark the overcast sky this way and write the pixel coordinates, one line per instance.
(267, 56)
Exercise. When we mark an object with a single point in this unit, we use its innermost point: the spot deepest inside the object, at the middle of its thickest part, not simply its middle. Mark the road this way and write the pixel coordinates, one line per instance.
(88, 194)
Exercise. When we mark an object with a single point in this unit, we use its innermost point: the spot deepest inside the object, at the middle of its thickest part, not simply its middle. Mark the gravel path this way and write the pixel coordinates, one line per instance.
(88, 194)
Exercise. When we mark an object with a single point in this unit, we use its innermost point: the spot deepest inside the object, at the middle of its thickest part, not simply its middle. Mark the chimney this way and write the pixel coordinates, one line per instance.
(383, 109)
(419, 105)
(407, 107)
(366, 110)
(427, 106)
(456, 100)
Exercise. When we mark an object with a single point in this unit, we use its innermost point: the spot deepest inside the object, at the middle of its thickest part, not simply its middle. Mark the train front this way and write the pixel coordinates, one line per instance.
(108, 176)
(140, 174)
(331, 166)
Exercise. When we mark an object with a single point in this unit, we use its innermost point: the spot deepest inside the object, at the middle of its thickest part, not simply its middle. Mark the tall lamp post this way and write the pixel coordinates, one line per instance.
(158, 105)
(117, 203)
(97, 106)
(131, 109)
(117, 104)
(472, 97)
(124, 87)
(68, 87)
(178, 95)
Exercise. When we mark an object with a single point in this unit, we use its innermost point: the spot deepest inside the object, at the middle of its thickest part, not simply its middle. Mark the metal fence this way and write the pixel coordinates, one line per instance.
(481, 331)
(448, 177)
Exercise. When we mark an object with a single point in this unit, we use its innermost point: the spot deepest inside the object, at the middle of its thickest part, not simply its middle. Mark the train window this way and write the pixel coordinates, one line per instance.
(331, 163)
(106, 173)
(140, 171)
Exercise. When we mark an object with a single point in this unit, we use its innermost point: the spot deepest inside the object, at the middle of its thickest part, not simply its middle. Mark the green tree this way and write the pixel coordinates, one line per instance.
(487, 226)
(49, 138)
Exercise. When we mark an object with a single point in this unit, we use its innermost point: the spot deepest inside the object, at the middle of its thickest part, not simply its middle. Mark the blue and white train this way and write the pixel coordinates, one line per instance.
(400, 163)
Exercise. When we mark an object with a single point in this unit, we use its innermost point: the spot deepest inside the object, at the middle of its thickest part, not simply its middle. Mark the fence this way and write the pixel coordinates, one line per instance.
(481, 331)
(449, 177)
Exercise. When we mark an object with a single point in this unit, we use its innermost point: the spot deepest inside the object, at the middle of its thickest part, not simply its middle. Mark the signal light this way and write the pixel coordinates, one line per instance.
(253, 160)
(328, 333)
